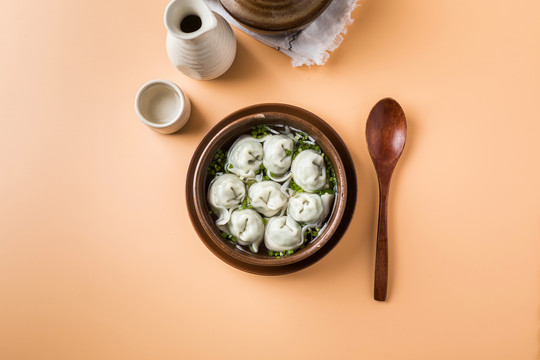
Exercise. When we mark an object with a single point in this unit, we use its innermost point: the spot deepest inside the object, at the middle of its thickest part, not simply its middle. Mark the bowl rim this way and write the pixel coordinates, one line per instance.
(198, 210)
(166, 83)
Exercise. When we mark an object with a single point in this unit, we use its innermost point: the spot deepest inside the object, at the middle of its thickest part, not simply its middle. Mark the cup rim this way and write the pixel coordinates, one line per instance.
(176, 116)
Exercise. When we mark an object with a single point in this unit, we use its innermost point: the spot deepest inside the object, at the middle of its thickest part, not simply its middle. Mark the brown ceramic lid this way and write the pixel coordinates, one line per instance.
(268, 16)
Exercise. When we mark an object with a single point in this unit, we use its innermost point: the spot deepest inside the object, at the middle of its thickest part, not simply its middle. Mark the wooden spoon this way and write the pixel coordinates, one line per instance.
(386, 129)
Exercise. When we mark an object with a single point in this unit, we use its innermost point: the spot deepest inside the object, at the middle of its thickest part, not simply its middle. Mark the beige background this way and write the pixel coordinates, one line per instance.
(98, 259)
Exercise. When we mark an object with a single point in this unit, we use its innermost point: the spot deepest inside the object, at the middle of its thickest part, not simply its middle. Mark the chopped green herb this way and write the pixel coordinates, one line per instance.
(280, 254)
(246, 204)
(261, 168)
(259, 131)
(311, 233)
(218, 163)
(301, 145)
(295, 187)
(250, 182)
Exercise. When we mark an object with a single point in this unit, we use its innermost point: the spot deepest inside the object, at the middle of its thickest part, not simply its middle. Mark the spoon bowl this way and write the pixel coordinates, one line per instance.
(386, 130)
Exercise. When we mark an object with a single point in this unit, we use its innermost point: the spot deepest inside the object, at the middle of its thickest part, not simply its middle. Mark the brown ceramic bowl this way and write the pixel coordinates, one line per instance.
(222, 135)
(275, 17)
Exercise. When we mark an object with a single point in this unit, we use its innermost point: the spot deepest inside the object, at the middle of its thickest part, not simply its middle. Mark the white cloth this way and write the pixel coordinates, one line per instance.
(312, 45)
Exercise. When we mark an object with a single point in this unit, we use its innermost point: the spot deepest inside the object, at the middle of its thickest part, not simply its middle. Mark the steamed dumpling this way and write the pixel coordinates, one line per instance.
(282, 233)
(267, 198)
(310, 208)
(224, 193)
(309, 170)
(245, 157)
(277, 154)
(247, 227)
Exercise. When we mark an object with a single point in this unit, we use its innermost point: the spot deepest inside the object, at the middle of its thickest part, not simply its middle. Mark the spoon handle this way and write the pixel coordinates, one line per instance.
(381, 258)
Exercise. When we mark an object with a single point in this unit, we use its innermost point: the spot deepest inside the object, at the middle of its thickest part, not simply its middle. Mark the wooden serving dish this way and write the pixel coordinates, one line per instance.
(222, 135)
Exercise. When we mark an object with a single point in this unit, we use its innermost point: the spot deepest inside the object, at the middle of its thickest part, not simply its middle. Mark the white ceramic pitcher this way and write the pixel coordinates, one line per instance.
(200, 43)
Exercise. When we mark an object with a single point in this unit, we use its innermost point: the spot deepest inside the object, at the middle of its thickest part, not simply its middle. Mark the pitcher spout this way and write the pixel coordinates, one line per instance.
(188, 19)
(200, 43)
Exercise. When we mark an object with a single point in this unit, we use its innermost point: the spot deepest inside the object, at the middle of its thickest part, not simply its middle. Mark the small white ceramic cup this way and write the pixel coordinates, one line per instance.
(161, 105)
